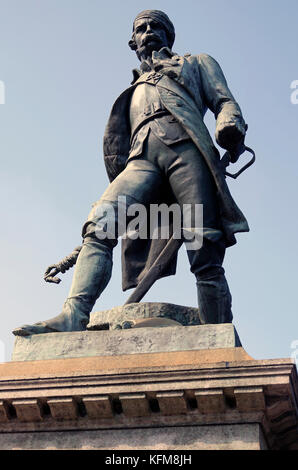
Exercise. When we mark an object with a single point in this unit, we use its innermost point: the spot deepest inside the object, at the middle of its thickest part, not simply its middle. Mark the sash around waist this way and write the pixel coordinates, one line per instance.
(138, 124)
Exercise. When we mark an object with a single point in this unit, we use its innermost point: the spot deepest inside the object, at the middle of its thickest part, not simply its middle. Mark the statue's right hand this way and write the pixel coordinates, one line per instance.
(51, 272)
(64, 265)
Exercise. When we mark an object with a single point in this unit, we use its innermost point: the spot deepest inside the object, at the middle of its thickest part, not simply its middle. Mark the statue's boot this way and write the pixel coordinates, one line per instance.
(214, 298)
(92, 274)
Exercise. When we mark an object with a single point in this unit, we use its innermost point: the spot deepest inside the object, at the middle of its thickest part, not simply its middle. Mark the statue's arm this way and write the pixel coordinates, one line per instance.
(230, 125)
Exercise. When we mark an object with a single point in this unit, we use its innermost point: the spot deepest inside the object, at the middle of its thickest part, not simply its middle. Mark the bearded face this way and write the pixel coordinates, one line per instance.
(149, 36)
(152, 30)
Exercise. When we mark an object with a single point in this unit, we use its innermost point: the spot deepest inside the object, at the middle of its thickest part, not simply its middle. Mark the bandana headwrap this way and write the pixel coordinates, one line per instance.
(159, 17)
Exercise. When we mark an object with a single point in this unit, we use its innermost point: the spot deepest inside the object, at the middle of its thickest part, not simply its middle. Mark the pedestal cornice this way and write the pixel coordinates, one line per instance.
(151, 390)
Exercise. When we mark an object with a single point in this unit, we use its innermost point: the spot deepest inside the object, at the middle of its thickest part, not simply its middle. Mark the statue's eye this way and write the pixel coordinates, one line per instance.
(139, 29)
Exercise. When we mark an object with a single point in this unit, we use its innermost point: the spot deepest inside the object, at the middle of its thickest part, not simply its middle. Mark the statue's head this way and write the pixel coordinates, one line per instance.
(152, 30)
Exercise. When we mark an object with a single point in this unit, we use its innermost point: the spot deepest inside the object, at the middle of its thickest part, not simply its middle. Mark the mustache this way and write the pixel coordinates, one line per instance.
(150, 38)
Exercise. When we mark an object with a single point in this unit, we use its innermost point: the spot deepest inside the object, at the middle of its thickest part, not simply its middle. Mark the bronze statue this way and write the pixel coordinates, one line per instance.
(158, 149)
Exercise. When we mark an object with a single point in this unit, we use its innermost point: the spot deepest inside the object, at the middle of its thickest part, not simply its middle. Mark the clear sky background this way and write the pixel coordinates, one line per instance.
(64, 62)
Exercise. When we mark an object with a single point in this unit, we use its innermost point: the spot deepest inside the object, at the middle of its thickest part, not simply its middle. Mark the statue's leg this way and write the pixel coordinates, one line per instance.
(192, 183)
(214, 298)
(136, 184)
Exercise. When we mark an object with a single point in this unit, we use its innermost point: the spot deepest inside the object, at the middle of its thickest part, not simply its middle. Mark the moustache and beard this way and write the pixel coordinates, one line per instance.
(150, 43)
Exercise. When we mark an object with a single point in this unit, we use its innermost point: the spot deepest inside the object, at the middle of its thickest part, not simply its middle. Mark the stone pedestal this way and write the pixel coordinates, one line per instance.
(130, 341)
(159, 401)
(170, 388)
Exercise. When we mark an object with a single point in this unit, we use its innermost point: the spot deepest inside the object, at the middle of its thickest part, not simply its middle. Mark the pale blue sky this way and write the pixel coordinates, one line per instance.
(64, 62)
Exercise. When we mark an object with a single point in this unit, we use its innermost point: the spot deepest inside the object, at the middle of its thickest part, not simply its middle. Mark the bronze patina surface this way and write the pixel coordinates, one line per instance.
(157, 149)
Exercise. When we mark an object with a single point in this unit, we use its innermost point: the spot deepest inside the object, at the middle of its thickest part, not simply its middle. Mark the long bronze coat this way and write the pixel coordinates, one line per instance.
(187, 86)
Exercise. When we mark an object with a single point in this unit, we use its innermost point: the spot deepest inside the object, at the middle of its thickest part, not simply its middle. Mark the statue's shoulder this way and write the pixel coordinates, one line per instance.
(204, 64)
(201, 58)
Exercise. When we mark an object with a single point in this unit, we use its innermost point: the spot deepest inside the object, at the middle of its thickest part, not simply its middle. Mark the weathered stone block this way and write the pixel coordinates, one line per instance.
(98, 406)
(128, 316)
(128, 341)
(63, 408)
(135, 404)
(28, 410)
(210, 401)
(170, 402)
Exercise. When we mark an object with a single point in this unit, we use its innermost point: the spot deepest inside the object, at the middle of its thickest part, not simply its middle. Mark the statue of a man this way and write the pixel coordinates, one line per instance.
(158, 149)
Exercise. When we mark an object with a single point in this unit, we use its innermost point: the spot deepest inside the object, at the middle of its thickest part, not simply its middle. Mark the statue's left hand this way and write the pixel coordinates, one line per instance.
(231, 137)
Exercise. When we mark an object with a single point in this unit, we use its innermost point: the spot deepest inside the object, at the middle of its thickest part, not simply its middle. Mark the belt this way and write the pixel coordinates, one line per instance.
(140, 124)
